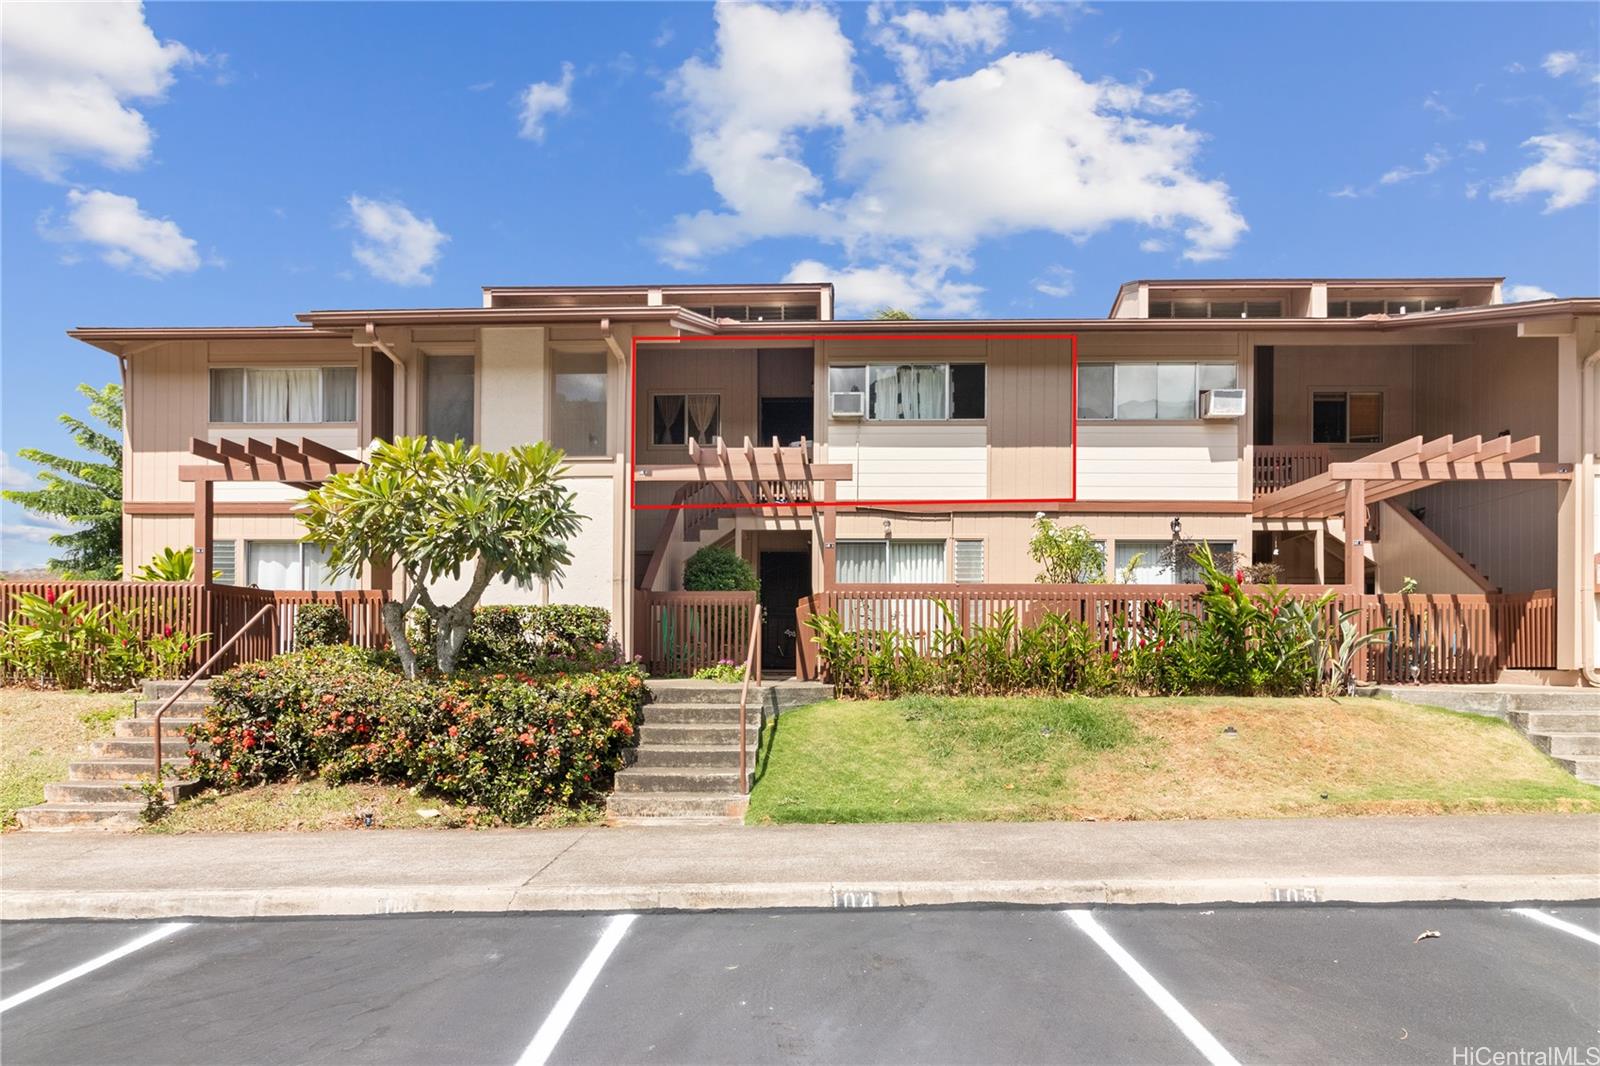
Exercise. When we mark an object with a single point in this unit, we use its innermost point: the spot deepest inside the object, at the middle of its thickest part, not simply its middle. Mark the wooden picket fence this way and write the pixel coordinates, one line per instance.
(1435, 639)
(217, 610)
(679, 632)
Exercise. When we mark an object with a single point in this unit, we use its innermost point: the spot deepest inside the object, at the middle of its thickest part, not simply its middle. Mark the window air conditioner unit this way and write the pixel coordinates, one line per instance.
(1222, 403)
(847, 404)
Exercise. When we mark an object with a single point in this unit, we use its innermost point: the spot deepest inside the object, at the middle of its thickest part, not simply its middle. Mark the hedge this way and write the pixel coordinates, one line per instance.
(317, 624)
(516, 745)
(532, 639)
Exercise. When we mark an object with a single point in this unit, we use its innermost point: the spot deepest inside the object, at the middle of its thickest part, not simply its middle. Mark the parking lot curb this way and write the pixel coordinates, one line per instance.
(413, 899)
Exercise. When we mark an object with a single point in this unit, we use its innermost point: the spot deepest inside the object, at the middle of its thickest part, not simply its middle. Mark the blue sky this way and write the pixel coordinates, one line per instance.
(204, 164)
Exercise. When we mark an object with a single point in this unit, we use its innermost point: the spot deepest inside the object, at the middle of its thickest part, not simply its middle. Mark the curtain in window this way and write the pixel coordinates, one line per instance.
(669, 420)
(339, 394)
(227, 395)
(861, 562)
(318, 575)
(274, 564)
(916, 562)
(905, 393)
(705, 418)
(266, 395)
(305, 395)
(1149, 570)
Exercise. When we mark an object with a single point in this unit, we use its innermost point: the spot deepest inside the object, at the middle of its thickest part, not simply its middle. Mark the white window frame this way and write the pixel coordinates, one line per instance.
(949, 390)
(686, 436)
(983, 560)
(244, 392)
(887, 565)
(1172, 305)
(1198, 387)
(300, 564)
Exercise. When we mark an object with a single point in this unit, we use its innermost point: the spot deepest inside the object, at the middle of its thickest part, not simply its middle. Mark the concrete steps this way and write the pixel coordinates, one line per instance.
(102, 792)
(1564, 723)
(686, 765)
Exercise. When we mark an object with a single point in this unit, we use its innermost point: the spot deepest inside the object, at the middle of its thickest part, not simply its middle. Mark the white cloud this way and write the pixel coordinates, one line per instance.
(396, 245)
(1558, 63)
(68, 73)
(922, 173)
(1477, 146)
(1431, 162)
(1057, 282)
(11, 477)
(860, 291)
(1438, 106)
(1517, 294)
(1348, 192)
(122, 234)
(543, 99)
(1515, 68)
(1152, 244)
(922, 41)
(1565, 173)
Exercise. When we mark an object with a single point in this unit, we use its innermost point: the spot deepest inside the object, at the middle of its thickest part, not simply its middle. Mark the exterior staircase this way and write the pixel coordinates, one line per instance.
(1564, 723)
(686, 765)
(102, 791)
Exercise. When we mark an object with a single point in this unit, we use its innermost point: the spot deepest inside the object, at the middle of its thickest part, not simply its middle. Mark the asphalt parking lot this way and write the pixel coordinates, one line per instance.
(1318, 983)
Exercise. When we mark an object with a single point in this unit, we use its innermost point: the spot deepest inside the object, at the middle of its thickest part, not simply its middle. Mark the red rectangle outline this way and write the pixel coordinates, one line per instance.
(633, 421)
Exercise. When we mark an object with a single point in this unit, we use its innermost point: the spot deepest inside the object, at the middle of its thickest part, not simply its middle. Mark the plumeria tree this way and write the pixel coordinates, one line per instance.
(434, 509)
(1067, 555)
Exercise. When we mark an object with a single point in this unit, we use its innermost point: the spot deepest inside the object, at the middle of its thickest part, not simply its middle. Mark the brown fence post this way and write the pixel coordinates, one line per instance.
(805, 645)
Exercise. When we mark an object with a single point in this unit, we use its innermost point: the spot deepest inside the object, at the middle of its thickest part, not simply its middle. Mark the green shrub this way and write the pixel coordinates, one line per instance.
(725, 671)
(55, 639)
(318, 624)
(516, 745)
(532, 639)
(714, 569)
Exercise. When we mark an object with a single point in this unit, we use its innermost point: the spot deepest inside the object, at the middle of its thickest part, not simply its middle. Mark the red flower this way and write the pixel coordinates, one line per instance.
(455, 732)
(50, 595)
(1113, 654)
(1238, 575)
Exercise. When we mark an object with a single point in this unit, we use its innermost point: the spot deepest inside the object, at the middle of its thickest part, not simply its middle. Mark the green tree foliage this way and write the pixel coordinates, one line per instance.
(1067, 555)
(713, 569)
(169, 565)
(892, 314)
(433, 509)
(86, 492)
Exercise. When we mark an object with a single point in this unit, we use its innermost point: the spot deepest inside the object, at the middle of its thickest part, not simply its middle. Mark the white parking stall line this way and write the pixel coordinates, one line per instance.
(160, 932)
(555, 1024)
(1187, 1024)
(1556, 923)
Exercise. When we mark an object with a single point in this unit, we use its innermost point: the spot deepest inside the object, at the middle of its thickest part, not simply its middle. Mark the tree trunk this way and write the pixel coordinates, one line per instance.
(452, 623)
(394, 620)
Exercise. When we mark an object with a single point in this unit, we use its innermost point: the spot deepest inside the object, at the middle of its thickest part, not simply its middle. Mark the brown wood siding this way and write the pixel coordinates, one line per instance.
(1030, 411)
(731, 374)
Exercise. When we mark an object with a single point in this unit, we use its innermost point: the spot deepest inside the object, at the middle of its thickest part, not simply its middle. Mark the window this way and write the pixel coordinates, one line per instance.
(916, 392)
(1406, 305)
(447, 397)
(578, 415)
(1150, 562)
(291, 564)
(1137, 392)
(890, 562)
(304, 395)
(223, 556)
(969, 560)
(758, 313)
(1216, 308)
(678, 417)
(1346, 417)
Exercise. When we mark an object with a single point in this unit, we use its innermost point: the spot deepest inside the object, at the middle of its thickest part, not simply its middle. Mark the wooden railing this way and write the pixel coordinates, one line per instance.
(1277, 466)
(1436, 638)
(221, 611)
(679, 632)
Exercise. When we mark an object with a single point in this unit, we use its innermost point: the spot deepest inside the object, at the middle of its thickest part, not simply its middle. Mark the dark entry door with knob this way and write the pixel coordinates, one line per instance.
(785, 577)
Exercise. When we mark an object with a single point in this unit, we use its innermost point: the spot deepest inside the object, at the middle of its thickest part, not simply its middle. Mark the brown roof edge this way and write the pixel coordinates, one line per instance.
(1270, 283)
(109, 338)
(777, 286)
(446, 316)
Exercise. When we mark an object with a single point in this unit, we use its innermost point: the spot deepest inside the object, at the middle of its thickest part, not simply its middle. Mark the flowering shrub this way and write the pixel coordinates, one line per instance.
(724, 670)
(56, 639)
(516, 745)
(316, 624)
(532, 639)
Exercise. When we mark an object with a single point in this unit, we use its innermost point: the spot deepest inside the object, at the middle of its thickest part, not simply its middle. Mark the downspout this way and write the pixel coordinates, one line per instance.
(1586, 547)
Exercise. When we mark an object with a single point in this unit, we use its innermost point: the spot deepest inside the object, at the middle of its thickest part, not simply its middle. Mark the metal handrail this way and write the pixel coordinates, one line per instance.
(744, 696)
(192, 678)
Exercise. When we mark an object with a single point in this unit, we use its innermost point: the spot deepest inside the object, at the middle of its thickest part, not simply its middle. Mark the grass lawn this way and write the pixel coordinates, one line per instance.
(925, 759)
(41, 732)
(313, 805)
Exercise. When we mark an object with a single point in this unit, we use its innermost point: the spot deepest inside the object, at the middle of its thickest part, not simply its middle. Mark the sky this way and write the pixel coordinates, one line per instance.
(233, 164)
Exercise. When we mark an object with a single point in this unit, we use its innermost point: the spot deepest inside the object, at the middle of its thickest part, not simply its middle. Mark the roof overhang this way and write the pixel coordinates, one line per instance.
(676, 317)
(123, 341)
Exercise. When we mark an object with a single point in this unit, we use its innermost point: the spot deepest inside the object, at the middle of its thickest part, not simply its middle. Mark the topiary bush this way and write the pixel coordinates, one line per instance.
(319, 624)
(714, 569)
(518, 746)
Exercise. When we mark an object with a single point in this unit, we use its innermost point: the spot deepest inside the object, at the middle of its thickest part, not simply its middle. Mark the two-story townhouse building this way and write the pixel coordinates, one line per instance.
(1263, 416)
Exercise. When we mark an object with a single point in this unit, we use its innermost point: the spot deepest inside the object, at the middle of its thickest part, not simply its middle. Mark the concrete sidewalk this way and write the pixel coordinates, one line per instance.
(1374, 860)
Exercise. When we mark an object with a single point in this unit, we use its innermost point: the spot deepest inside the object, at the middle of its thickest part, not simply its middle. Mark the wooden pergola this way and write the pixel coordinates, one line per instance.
(1348, 488)
(302, 465)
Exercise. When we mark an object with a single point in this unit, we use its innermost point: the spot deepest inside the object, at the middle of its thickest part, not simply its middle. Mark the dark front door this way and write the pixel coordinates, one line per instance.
(785, 577)
(786, 419)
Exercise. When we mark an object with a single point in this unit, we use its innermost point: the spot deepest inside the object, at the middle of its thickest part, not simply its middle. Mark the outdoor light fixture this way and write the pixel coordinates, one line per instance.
(1177, 528)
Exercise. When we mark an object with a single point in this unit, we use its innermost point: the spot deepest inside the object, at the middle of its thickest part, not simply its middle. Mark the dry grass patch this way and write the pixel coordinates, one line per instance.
(41, 732)
(312, 805)
(923, 759)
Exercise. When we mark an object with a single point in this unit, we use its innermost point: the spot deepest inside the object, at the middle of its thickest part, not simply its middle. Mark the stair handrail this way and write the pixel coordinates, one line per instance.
(192, 678)
(744, 695)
